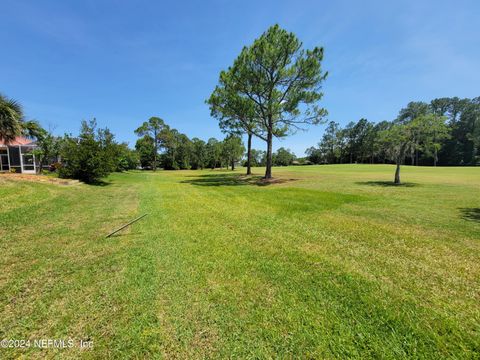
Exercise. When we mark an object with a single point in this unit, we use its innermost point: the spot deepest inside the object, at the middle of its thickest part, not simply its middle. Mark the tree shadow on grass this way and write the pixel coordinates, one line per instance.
(100, 183)
(387, 184)
(471, 214)
(232, 180)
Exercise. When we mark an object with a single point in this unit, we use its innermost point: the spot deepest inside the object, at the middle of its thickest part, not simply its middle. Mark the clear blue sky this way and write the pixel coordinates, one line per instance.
(124, 61)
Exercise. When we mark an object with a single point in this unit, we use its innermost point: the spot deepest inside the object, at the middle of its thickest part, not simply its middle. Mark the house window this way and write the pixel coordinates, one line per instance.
(28, 159)
(28, 162)
(4, 163)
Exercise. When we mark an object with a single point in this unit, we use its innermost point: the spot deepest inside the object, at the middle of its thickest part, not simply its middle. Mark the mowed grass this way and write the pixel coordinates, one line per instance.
(330, 262)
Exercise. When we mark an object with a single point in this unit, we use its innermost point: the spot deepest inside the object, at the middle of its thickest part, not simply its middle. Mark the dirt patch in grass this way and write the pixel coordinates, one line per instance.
(38, 178)
(273, 181)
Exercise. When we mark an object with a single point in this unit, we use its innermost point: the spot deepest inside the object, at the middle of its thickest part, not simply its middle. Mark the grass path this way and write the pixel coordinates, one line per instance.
(333, 262)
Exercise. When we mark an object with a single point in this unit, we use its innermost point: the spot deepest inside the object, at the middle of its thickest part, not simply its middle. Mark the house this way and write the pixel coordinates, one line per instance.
(18, 156)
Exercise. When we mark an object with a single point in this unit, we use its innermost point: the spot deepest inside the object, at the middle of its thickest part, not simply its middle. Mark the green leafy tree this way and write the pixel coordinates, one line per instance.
(110, 149)
(86, 157)
(440, 106)
(470, 120)
(233, 150)
(350, 140)
(258, 157)
(396, 141)
(412, 111)
(361, 133)
(185, 151)
(330, 144)
(369, 144)
(48, 147)
(199, 155)
(474, 134)
(152, 128)
(283, 157)
(431, 130)
(378, 146)
(170, 143)
(214, 153)
(127, 159)
(235, 114)
(280, 82)
(314, 155)
(145, 148)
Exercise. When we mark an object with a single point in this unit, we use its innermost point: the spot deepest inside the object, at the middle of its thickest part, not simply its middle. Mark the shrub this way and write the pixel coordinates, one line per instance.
(90, 156)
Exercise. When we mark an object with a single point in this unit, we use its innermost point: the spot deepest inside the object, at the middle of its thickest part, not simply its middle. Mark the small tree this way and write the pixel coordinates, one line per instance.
(110, 149)
(280, 84)
(257, 157)
(152, 128)
(432, 131)
(283, 157)
(85, 157)
(170, 142)
(407, 115)
(233, 150)
(314, 155)
(127, 159)
(396, 141)
(185, 152)
(145, 148)
(235, 114)
(199, 155)
(214, 152)
(475, 137)
(330, 142)
(48, 147)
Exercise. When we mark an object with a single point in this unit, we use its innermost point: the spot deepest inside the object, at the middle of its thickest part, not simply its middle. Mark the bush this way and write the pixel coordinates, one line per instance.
(283, 157)
(127, 159)
(90, 156)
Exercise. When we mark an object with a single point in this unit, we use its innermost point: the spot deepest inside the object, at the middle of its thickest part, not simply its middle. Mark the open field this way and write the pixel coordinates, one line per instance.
(331, 262)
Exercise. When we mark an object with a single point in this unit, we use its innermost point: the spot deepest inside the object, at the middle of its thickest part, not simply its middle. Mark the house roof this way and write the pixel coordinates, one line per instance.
(19, 141)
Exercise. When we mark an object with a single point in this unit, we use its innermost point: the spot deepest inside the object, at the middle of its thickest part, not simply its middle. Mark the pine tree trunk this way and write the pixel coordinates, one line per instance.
(397, 173)
(156, 150)
(249, 154)
(268, 170)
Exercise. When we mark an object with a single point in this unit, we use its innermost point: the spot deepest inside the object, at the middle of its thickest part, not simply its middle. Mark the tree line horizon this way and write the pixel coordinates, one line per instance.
(272, 89)
(358, 142)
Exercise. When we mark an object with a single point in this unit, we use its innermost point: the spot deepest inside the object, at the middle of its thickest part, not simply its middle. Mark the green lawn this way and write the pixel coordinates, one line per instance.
(331, 262)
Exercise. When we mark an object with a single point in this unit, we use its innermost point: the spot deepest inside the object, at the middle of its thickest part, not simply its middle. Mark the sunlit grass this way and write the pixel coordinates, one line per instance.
(331, 261)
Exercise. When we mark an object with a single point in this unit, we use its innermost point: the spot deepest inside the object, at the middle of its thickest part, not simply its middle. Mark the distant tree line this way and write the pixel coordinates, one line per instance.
(282, 157)
(445, 131)
(161, 146)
